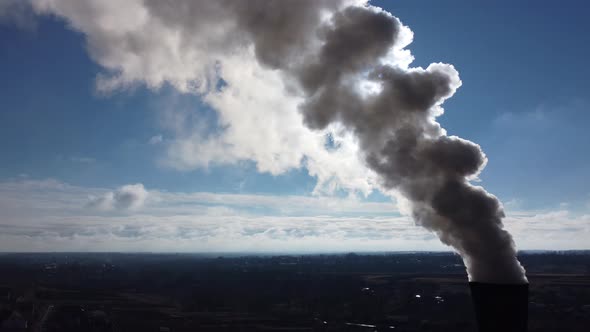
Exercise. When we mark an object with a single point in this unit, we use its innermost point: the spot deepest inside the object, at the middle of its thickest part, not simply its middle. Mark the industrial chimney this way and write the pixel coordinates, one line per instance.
(500, 307)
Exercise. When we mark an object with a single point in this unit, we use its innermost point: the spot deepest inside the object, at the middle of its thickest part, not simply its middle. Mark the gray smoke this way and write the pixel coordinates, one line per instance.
(325, 50)
(396, 126)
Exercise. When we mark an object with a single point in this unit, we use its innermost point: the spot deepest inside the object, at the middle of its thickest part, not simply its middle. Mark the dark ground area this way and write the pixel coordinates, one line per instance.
(353, 292)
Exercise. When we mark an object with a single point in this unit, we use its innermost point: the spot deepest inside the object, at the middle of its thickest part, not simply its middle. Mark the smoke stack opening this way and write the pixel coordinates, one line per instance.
(500, 307)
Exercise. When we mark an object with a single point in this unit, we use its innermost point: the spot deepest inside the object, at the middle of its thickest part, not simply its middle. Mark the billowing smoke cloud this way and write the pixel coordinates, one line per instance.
(345, 65)
(127, 197)
(16, 12)
(399, 137)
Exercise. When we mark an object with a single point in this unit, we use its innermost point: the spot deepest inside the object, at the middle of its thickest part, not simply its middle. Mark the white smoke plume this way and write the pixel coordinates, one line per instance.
(18, 13)
(343, 65)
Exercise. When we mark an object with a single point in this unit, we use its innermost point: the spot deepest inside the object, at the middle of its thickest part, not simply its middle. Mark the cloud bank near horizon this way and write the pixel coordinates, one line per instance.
(49, 215)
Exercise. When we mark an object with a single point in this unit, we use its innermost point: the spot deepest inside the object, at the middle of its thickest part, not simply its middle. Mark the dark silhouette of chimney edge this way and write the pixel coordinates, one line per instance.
(500, 307)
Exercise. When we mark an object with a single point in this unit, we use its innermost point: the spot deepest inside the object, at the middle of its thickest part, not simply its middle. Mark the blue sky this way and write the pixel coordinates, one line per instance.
(524, 93)
(524, 99)
(60, 122)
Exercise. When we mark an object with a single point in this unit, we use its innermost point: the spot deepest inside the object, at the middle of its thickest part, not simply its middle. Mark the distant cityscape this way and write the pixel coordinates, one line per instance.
(50, 292)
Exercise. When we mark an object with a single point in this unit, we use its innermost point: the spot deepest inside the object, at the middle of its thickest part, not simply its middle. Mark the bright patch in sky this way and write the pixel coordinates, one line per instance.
(116, 136)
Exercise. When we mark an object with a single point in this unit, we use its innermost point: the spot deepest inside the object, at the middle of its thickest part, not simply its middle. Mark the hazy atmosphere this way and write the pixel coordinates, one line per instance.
(140, 126)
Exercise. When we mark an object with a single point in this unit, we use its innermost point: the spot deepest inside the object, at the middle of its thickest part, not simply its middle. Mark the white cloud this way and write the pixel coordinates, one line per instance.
(156, 139)
(557, 230)
(82, 160)
(258, 118)
(282, 205)
(17, 12)
(51, 215)
(104, 202)
(128, 197)
(214, 234)
(543, 118)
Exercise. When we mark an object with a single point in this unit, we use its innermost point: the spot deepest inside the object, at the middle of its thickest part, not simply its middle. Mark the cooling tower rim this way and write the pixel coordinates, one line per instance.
(498, 284)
